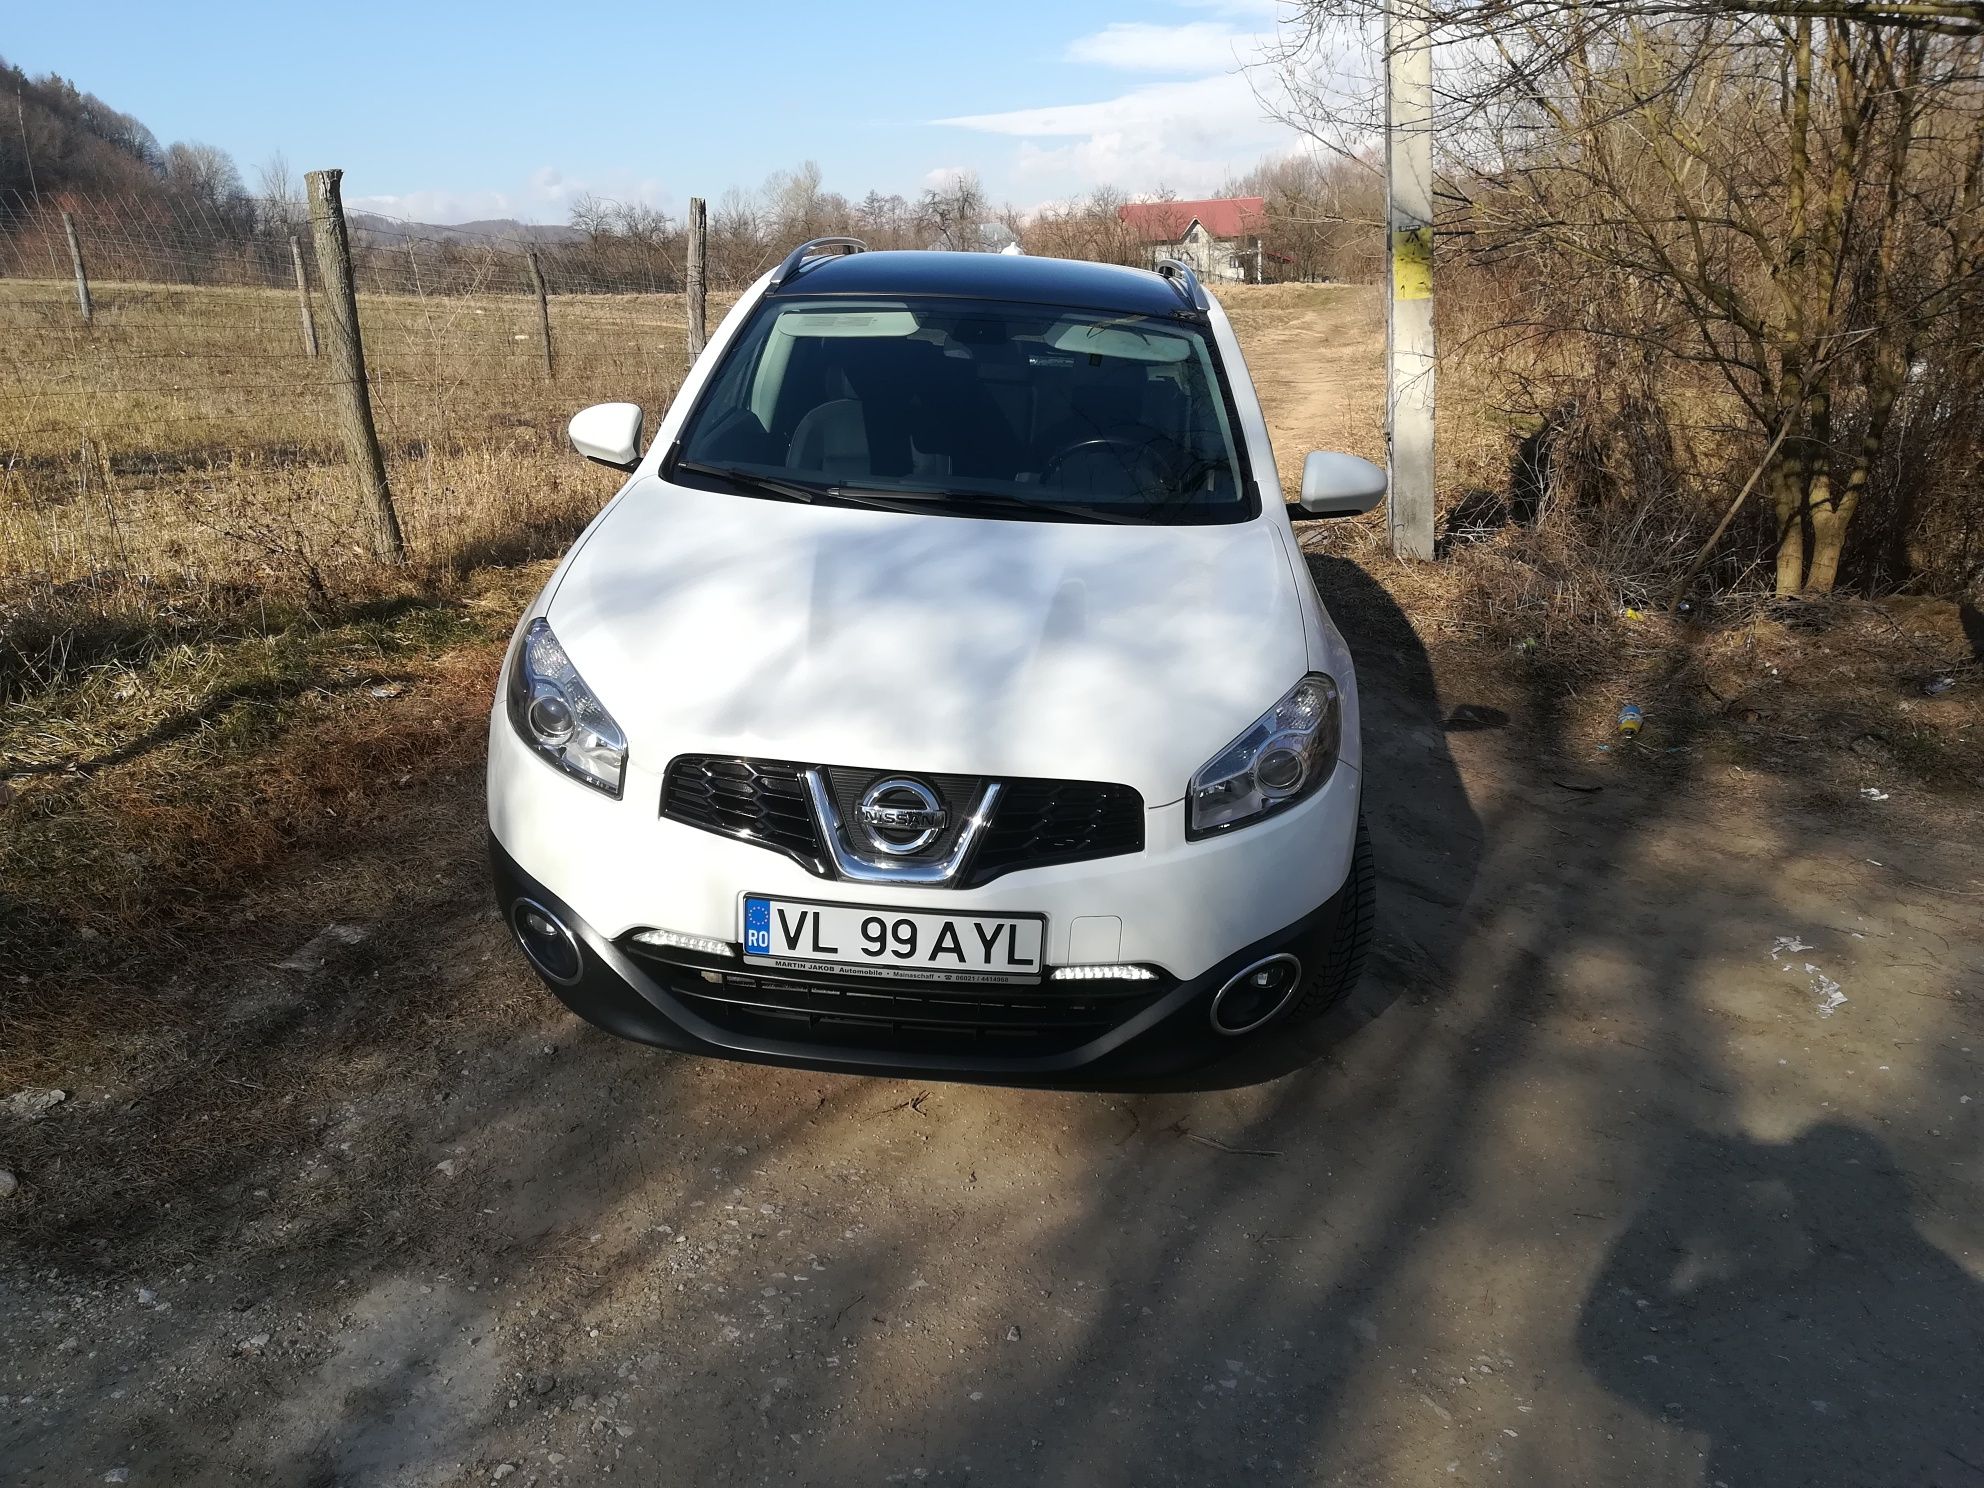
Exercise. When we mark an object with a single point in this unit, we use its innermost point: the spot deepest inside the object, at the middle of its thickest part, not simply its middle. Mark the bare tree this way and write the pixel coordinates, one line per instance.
(886, 221)
(1014, 221)
(202, 173)
(740, 246)
(279, 196)
(798, 208)
(627, 243)
(1775, 208)
(951, 212)
(1325, 215)
(1091, 227)
(592, 215)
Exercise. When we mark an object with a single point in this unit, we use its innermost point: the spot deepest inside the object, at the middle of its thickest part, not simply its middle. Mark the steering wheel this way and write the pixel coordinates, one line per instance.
(1140, 456)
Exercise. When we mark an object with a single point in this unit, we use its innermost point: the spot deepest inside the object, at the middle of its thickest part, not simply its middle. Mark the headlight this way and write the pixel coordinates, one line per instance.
(1289, 752)
(558, 716)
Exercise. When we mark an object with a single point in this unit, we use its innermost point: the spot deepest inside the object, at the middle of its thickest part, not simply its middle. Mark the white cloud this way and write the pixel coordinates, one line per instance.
(944, 177)
(1266, 10)
(1188, 131)
(1139, 46)
(1187, 134)
(1203, 106)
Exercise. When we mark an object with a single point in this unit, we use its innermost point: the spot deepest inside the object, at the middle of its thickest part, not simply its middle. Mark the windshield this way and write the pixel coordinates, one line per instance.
(972, 408)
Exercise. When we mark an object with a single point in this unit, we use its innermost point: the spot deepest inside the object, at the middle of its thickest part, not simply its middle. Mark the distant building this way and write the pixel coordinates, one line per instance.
(1219, 237)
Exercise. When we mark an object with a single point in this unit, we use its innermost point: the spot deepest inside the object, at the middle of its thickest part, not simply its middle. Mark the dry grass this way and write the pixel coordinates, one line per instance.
(138, 796)
(172, 372)
(1563, 618)
(178, 460)
(157, 804)
(236, 763)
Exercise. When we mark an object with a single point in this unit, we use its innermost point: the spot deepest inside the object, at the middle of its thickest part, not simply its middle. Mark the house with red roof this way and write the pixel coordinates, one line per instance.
(1220, 237)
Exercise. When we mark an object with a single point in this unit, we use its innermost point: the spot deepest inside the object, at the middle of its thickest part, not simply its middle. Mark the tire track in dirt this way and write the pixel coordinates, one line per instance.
(1316, 353)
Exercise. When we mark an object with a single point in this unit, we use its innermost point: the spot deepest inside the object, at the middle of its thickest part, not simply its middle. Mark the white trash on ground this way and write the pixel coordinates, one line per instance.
(34, 1102)
(314, 952)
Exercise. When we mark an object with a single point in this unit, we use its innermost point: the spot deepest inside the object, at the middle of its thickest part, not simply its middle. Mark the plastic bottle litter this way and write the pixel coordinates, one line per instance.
(1630, 719)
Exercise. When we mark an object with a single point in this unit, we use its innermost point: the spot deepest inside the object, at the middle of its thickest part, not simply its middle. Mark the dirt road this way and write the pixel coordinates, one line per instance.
(1648, 1154)
(1601, 1181)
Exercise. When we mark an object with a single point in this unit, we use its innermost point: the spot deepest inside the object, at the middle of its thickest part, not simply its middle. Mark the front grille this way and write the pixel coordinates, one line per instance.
(1059, 821)
(959, 793)
(1036, 822)
(975, 1018)
(760, 801)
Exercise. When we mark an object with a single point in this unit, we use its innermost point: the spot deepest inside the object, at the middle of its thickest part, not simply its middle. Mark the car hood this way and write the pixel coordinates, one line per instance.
(715, 623)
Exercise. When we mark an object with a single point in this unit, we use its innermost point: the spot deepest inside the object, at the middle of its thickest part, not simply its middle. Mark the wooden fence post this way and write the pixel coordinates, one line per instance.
(543, 310)
(82, 278)
(303, 299)
(698, 275)
(333, 243)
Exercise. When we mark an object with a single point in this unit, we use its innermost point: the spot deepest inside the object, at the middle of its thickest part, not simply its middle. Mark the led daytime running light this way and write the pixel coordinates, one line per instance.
(706, 945)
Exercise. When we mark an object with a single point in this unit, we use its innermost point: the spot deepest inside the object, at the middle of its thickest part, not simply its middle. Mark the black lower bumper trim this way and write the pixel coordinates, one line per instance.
(653, 1000)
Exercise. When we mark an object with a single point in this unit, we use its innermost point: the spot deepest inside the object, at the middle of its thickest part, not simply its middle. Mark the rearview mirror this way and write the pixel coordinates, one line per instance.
(608, 434)
(1336, 485)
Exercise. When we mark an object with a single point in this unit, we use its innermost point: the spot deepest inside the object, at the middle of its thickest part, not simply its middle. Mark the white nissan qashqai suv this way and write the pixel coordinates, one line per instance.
(944, 690)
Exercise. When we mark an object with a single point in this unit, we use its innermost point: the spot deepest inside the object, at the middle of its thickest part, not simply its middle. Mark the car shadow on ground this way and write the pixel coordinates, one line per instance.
(1425, 833)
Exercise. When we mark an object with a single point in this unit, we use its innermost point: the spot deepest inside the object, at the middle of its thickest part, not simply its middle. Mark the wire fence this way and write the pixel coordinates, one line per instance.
(181, 434)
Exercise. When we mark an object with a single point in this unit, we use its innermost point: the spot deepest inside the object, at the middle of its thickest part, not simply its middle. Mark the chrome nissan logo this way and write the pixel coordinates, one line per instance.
(901, 816)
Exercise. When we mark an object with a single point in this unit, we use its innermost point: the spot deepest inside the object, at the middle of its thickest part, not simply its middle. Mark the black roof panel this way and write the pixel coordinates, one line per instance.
(990, 276)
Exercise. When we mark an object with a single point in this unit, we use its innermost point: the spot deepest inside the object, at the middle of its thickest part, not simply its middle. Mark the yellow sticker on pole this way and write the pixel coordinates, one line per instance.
(1412, 263)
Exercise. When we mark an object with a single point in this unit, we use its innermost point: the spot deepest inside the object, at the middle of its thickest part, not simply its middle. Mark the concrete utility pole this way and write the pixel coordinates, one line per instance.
(1409, 327)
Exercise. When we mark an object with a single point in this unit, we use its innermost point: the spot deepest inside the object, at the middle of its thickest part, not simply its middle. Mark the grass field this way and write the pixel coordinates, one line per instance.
(178, 461)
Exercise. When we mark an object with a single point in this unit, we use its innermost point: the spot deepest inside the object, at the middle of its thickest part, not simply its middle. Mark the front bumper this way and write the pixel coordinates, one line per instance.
(1178, 904)
(801, 1021)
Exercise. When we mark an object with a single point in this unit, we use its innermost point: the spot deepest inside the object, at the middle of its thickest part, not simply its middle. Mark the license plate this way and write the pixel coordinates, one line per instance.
(800, 935)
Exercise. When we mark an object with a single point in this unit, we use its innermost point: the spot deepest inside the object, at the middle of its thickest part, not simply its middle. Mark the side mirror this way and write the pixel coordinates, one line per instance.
(1335, 485)
(608, 434)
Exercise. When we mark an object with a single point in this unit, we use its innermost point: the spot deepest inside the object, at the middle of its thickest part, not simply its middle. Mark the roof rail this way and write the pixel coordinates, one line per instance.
(1185, 281)
(808, 249)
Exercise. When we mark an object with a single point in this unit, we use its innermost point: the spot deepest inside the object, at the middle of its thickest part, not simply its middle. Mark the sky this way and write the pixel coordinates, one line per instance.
(449, 112)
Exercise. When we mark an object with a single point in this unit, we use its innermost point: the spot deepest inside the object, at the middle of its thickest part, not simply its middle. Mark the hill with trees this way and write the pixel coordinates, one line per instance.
(63, 141)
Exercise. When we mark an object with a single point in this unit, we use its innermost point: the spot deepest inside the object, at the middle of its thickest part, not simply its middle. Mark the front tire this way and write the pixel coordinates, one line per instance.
(1337, 969)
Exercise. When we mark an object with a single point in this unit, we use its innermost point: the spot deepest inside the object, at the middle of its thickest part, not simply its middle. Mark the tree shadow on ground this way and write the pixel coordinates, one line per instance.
(1375, 1268)
(1777, 1299)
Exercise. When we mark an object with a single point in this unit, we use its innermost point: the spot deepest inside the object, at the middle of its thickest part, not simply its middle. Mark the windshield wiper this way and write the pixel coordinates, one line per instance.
(771, 485)
(912, 501)
(899, 500)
